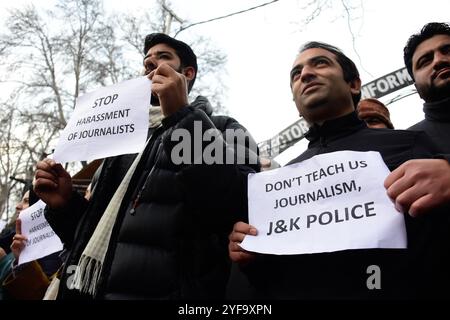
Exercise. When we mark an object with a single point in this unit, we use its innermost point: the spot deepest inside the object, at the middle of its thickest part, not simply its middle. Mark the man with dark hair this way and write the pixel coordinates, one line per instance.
(155, 228)
(183, 51)
(326, 88)
(350, 72)
(427, 58)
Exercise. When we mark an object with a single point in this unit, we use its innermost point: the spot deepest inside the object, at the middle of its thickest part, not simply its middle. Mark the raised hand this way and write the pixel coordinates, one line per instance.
(171, 88)
(52, 183)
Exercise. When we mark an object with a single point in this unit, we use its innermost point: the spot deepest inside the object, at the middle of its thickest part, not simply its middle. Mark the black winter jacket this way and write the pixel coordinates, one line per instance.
(173, 245)
(419, 271)
(437, 124)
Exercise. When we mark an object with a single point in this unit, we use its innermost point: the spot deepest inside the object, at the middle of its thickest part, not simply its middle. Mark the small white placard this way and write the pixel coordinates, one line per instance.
(41, 239)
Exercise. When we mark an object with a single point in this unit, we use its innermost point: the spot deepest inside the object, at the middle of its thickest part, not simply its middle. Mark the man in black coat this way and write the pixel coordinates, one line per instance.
(427, 58)
(168, 239)
(326, 88)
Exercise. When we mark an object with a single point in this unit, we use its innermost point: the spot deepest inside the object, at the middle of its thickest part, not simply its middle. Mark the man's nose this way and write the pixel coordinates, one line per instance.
(307, 74)
(151, 64)
(441, 60)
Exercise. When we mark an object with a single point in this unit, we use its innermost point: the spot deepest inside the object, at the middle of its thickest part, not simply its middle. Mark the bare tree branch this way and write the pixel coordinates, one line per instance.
(350, 29)
(51, 67)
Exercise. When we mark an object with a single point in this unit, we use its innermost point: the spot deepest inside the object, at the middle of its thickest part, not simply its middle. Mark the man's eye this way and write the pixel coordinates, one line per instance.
(321, 61)
(423, 62)
(295, 74)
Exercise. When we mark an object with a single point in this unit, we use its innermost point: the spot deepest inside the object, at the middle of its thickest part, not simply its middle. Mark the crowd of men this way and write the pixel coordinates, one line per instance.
(156, 229)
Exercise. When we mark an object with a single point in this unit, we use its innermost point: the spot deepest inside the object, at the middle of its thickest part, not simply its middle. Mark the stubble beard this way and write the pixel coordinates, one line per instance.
(438, 93)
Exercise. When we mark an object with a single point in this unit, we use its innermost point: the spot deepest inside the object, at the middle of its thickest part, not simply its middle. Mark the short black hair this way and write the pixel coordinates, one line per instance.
(428, 31)
(348, 66)
(184, 51)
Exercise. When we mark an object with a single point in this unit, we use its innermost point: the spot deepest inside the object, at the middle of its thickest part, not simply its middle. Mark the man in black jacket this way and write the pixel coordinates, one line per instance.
(427, 58)
(326, 88)
(168, 236)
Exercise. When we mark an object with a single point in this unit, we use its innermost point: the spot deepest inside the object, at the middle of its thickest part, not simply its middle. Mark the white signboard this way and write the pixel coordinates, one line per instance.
(110, 121)
(41, 239)
(331, 202)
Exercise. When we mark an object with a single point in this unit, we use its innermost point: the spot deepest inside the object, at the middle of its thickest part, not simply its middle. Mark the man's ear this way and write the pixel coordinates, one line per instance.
(189, 73)
(355, 86)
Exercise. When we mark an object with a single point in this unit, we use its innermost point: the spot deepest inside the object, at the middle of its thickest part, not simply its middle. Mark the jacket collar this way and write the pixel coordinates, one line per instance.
(437, 111)
(202, 103)
(337, 127)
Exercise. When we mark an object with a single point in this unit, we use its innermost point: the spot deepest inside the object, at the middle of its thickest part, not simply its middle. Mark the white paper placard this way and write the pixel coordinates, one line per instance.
(107, 122)
(41, 239)
(331, 202)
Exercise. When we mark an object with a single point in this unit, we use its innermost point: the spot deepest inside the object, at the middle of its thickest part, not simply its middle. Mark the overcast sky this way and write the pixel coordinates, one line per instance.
(262, 44)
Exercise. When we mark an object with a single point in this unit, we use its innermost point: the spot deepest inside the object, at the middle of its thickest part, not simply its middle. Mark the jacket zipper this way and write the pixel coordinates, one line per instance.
(138, 196)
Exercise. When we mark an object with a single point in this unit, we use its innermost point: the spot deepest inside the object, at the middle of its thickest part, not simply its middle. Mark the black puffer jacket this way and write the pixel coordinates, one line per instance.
(174, 244)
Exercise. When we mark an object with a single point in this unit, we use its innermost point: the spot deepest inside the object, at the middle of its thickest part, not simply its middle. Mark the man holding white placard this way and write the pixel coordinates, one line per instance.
(345, 262)
(142, 235)
(29, 278)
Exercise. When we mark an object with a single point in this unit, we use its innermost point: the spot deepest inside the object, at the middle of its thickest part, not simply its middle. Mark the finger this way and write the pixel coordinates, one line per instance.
(151, 74)
(399, 186)
(60, 171)
(409, 196)
(241, 257)
(44, 184)
(45, 165)
(20, 237)
(246, 228)
(18, 227)
(423, 205)
(394, 176)
(50, 161)
(165, 70)
(158, 79)
(45, 175)
(238, 256)
(237, 236)
(234, 247)
(16, 245)
(158, 88)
